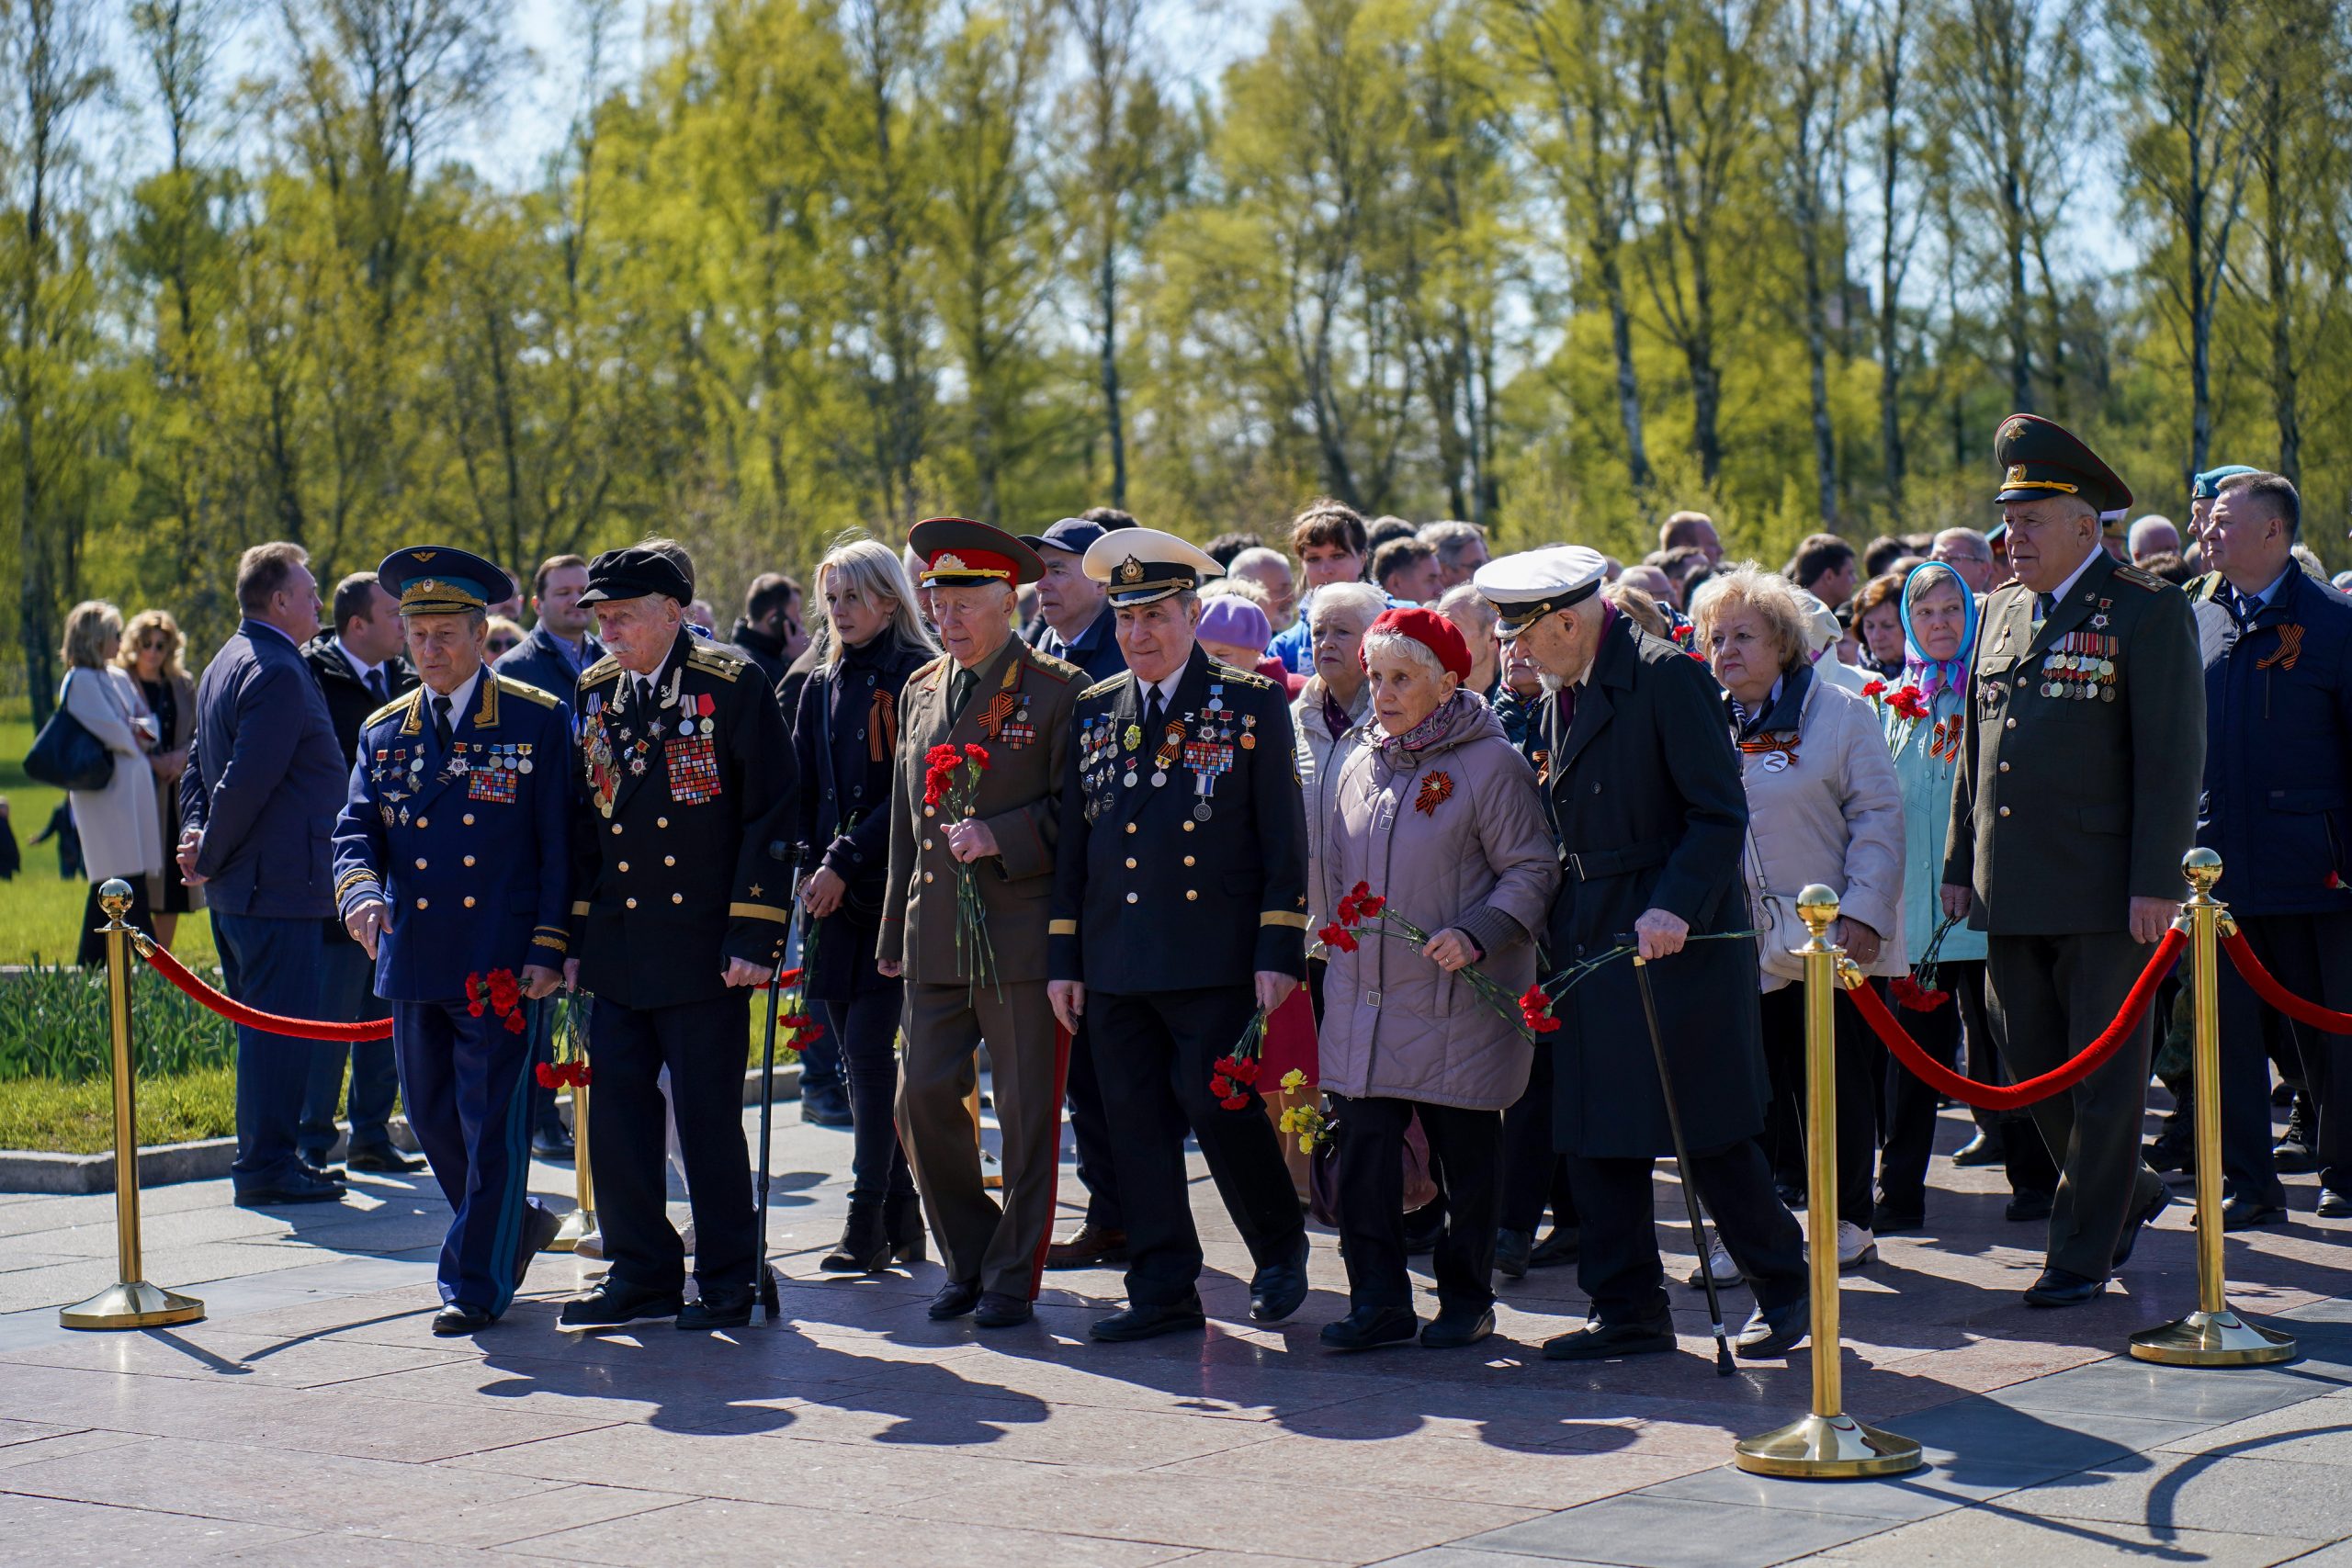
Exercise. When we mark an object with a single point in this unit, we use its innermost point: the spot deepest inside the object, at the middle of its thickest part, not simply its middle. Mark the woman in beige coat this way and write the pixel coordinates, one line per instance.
(1824, 805)
(121, 835)
(1437, 812)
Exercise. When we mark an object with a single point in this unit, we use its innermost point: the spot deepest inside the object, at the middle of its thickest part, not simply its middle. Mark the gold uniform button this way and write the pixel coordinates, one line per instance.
(2005, 811)
(470, 900)
(631, 903)
(420, 862)
(1131, 862)
(661, 822)
(929, 875)
(1131, 827)
(1188, 859)
(927, 843)
(669, 860)
(616, 827)
(1190, 895)
(423, 823)
(470, 859)
(2005, 767)
(1187, 828)
(2011, 722)
(424, 903)
(1135, 897)
(470, 819)
(2020, 682)
(677, 898)
(624, 865)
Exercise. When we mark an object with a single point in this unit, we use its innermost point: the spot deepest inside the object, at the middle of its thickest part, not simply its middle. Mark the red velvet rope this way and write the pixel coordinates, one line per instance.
(2017, 1097)
(179, 975)
(2241, 954)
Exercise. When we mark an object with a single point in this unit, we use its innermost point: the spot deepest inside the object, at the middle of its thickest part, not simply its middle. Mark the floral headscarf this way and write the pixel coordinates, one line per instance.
(1930, 675)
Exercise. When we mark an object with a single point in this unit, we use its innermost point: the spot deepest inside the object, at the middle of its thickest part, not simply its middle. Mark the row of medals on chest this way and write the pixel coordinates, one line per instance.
(405, 771)
(2081, 667)
(1105, 751)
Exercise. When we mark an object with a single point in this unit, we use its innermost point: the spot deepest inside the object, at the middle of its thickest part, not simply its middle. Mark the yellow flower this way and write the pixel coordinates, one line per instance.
(1293, 1080)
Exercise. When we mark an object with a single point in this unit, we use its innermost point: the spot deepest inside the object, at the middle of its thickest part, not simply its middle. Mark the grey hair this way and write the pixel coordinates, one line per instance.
(873, 569)
(1256, 554)
(1362, 596)
(1413, 648)
(1451, 538)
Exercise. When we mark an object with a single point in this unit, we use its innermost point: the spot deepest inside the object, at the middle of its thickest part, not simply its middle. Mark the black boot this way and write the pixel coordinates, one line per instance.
(864, 1247)
(902, 1224)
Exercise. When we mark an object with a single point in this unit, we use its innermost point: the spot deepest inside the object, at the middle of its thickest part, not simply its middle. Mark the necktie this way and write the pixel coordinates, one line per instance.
(441, 722)
(645, 695)
(375, 687)
(959, 692)
(2245, 606)
(1152, 715)
(2044, 605)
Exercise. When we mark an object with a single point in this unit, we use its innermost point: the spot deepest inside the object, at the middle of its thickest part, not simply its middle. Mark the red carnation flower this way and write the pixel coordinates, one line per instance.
(1338, 938)
(513, 1023)
(1369, 906)
(976, 755)
(1235, 1103)
(546, 1075)
(942, 756)
(1873, 688)
(1246, 1071)
(1222, 1086)
(473, 1009)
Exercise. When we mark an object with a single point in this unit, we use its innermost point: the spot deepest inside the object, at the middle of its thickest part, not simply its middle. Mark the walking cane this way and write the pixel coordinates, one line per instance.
(1724, 1367)
(766, 1276)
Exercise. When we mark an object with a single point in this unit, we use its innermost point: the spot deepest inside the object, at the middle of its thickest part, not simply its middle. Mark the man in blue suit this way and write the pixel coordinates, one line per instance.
(561, 645)
(257, 809)
(2278, 808)
(452, 869)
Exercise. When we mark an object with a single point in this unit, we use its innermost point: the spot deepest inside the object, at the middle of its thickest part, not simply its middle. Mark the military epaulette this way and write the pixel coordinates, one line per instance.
(396, 708)
(524, 690)
(604, 669)
(2201, 589)
(1234, 676)
(1061, 669)
(725, 663)
(2140, 577)
(924, 671)
(1101, 688)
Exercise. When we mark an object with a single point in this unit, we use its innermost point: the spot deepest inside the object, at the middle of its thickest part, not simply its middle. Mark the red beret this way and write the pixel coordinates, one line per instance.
(1429, 629)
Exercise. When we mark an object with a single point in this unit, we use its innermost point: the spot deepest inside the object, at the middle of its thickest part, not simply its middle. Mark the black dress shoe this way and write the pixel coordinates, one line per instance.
(1147, 1322)
(384, 1159)
(955, 1299)
(1368, 1328)
(539, 1226)
(2138, 1222)
(2243, 1213)
(2333, 1206)
(1512, 1249)
(1791, 1195)
(552, 1144)
(718, 1309)
(1775, 1332)
(1604, 1341)
(615, 1305)
(1890, 1219)
(2029, 1205)
(1986, 1148)
(2061, 1288)
(2292, 1154)
(1001, 1309)
(458, 1319)
(1092, 1248)
(299, 1187)
(1559, 1247)
(323, 1168)
(1276, 1290)
(1455, 1327)
(826, 1107)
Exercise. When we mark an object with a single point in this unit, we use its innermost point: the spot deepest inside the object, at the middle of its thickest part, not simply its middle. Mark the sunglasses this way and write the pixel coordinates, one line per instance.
(502, 645)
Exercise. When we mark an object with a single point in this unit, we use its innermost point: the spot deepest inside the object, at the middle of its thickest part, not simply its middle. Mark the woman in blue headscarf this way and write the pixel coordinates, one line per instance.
(1925, 712)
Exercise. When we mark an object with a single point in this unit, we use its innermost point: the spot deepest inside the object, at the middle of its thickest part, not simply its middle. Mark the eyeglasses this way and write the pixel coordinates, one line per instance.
(502, 645)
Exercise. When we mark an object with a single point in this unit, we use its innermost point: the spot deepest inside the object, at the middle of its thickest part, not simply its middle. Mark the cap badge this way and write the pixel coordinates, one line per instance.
(422, 557)
(2016, 475)
(2014, 429)
(1130, 571)
(426, 586)
(949, 562)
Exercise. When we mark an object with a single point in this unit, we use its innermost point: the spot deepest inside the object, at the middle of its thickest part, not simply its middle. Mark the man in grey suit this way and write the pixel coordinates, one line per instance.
(265, 780)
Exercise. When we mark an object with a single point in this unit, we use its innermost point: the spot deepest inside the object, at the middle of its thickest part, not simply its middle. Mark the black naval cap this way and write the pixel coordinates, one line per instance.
(632, 573)
(957, 552)
(2040, 459)
(434, 580)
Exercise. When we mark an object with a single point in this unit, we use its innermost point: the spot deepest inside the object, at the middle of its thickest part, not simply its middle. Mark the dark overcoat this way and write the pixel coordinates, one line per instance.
(1644, 794)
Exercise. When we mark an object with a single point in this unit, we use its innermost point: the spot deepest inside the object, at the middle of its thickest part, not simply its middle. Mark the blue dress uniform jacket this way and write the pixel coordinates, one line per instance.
(682, 855)
(470, 847)
(1196, 881)
(264, 780)
(2277, 798)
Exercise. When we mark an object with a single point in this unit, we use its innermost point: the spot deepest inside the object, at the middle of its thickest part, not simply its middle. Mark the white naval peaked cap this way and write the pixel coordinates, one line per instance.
(1527, 587)
(1143, 564)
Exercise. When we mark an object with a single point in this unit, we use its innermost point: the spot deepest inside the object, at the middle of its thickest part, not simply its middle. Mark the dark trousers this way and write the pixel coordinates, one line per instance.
(1534, 1173)
(1465, 1156)
(1161, 1050)
(1948, 1033)
(539, 1017)
(1090, 1127)
(1858, 1054)
(865, 1029)
(465, 1082)
(2048, 997)
(702, 1044)
(1618, 1263)
(347, 995)
(272, 963)
(2312, 957)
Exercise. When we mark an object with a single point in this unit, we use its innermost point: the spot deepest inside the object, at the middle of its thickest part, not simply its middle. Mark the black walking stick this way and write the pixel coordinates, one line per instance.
(769, 1306)
(1724, 1367)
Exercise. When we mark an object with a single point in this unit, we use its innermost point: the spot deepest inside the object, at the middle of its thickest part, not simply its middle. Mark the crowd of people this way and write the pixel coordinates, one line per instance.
(1335, 841)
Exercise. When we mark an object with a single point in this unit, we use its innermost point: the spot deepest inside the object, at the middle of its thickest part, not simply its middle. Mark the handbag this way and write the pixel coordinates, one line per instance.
(1323, 1174)
(65, 755)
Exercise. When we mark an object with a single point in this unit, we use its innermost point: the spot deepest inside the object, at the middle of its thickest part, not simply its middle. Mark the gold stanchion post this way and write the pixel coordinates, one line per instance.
(2212, 1336)
(582, 1222)
(1828, 1444)
(130, 1302)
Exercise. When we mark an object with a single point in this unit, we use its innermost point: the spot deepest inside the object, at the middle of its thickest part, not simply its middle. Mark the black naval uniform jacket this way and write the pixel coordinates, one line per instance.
(1196, 881)
(682, 848)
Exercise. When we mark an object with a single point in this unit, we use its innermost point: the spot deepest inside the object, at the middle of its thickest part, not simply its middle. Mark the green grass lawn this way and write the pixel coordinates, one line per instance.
(78, 1118)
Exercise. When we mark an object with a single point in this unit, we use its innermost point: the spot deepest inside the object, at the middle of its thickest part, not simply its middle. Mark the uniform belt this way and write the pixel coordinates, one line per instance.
(1592, 865)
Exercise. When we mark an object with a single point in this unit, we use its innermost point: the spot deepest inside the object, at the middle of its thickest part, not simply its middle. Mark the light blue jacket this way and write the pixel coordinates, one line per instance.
(1926, 818)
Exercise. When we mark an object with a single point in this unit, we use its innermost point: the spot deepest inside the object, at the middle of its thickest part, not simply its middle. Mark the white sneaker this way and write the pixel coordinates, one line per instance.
(686, 1237)
(1720, 1265)
(591, 1246)
(1856, 1246)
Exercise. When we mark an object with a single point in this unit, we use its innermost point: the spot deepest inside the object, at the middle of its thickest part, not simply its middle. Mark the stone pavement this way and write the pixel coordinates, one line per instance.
(314, 1420)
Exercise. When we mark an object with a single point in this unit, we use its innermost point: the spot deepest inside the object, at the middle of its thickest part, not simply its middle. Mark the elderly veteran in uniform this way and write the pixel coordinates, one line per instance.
(1642, 786)
(1438, 813)
(1180, 911)
(2075, 799)
(451, 863)
(682, 855)
(990, 690)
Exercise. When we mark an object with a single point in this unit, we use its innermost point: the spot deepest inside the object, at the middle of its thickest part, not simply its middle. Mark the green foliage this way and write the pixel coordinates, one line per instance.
(78, 1118)
(53, 1024)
